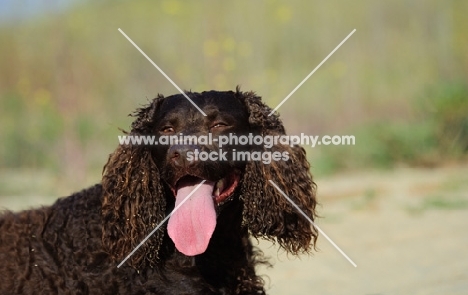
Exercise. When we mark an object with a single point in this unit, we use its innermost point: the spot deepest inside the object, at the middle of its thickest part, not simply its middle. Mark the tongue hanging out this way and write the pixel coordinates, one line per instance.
(192, 224)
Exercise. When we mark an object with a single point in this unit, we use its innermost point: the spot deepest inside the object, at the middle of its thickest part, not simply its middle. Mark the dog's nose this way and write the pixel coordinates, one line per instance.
(182, 155)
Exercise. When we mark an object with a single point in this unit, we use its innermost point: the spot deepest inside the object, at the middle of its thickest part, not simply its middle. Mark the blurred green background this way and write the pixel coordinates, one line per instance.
(68, 78)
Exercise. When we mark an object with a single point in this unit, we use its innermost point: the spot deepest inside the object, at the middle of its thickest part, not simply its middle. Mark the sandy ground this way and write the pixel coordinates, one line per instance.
(407, 231)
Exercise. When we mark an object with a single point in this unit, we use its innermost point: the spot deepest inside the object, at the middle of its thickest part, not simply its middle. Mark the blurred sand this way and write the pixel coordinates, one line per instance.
(400, 246)
(402, 242)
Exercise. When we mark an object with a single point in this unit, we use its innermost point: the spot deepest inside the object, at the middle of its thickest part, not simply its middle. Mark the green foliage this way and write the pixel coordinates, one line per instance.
(446, 107)
(29, 131)
(382, 145)
(439, 134)
(438, 202)
(68, 80)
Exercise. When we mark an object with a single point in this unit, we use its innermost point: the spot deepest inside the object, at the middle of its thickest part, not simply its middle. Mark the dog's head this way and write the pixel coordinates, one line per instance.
(199, 164)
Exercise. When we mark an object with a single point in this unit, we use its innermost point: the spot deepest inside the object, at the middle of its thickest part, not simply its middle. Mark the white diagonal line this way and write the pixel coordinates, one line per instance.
(162, 72)
(311, 73)
(310, 220)
(160, 224)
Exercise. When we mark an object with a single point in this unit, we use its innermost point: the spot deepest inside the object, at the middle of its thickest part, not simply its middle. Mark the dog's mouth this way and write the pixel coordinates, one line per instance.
(222, 189)
(194, 217)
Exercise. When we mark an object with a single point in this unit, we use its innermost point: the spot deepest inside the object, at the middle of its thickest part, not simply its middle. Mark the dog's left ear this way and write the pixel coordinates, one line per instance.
(267, 213)
(133, 198)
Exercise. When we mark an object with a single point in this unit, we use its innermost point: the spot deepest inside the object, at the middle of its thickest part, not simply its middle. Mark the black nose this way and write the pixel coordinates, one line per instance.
(182, 155)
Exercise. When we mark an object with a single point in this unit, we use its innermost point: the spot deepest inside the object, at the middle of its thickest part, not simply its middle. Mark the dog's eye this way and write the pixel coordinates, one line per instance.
(218, 125)
(167, 129)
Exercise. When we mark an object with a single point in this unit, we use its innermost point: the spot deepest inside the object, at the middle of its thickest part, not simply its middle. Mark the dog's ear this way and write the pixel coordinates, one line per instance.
(267, 213)
(133, 198)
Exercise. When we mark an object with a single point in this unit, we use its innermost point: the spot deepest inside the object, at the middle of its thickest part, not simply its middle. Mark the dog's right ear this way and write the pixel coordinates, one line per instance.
(267, 213)
(133, 198)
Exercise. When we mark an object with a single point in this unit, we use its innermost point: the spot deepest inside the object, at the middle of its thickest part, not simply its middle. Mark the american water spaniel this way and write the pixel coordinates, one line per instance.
(77, 245)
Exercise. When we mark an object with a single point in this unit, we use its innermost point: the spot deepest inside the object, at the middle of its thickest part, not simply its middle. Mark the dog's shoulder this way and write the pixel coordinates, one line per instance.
(82, 204)
(90, 196)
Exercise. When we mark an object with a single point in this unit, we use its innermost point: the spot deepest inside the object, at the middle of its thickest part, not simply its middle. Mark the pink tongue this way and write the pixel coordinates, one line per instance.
(192, 224)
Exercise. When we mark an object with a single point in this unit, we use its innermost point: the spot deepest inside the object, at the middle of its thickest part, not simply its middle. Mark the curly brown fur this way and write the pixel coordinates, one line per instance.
(292, 231)
(75, 245)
